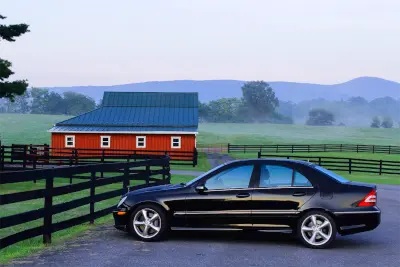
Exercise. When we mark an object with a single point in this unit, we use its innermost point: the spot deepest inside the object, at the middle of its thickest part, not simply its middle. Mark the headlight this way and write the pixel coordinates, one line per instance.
(121, 201)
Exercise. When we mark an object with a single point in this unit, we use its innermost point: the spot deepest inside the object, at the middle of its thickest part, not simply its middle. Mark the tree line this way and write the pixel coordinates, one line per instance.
(257, 104)
(43, 101)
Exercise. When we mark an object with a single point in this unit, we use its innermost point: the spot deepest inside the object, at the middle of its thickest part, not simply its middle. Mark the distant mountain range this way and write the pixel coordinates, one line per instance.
(367, 87)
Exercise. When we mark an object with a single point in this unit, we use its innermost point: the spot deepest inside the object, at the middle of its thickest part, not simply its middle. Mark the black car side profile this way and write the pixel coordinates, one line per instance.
(256, 194)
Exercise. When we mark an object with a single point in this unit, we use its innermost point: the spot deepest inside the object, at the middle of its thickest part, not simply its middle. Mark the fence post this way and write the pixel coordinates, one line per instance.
(349, 166)
(324, 147)
(70, 164)
(125, 182)
(308, 148)
(102, 161)
(229, 147)
(380, 167)
(147, 175)
(48, 204)
(75, 153)
(277, 148)
(25, 156)
(259, 154)
(92, 193)
(357, 148)
(390, 149)
(319, 161)
(2, 157)
(195, 155)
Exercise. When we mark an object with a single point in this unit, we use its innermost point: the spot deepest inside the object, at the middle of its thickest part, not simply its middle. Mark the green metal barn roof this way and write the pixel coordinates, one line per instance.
(137, 111)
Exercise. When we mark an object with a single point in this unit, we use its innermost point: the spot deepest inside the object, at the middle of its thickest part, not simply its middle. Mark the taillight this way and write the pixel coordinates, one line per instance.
(369, 200)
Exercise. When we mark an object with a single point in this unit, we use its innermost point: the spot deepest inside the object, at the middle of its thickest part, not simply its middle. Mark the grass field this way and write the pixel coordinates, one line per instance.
(29, 128)
(26, 247)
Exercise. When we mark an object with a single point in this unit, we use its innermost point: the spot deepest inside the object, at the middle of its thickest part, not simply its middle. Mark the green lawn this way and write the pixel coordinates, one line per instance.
(248, 134)
(29, 246)
(30, 128)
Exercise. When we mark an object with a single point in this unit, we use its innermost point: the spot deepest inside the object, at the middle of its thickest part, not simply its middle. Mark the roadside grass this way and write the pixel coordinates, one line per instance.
(202, 164)
(35, 244)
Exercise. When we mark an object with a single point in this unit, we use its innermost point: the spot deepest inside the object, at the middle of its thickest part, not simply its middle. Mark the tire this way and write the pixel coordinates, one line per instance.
(316, 237)
(154, 228)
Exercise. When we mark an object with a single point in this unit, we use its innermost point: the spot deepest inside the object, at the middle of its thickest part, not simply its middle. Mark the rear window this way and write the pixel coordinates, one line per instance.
(335, 176)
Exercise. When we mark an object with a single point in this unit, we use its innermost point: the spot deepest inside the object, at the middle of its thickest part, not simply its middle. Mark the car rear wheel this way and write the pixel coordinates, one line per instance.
(148, 223)
(316, 229)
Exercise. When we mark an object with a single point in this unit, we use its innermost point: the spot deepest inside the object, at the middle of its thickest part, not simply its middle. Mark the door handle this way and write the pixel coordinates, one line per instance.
(299, 194)
(242, 195)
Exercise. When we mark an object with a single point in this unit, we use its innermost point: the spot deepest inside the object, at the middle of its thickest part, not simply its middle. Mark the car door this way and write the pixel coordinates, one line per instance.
(278, 194)
(225, 200)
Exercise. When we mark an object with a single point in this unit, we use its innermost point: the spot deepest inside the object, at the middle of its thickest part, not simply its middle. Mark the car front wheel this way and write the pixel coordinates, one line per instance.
(148, 223)
(316, 229)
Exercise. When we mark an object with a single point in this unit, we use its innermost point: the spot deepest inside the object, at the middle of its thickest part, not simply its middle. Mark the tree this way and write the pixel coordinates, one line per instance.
(10, 89)
(40, 100)
(55, 104)
(320, 117)
(260, 99)
(376, 122)
(387, 122)
(77, 103)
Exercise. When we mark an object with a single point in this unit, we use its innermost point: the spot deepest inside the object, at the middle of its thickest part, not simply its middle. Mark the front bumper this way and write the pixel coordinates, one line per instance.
(120, 220)
(352, 222)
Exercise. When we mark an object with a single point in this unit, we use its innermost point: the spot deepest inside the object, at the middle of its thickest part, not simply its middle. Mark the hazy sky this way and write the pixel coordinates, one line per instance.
(103, 42)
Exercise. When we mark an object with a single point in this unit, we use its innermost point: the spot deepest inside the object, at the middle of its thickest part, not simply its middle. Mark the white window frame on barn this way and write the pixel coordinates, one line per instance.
(108, 141)
(70, 141)
(137, 142)
(176, 142)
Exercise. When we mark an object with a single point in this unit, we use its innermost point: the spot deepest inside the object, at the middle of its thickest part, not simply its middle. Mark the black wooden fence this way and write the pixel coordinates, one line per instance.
(349, 165)
(31, 156)
(141, 170)
(315, 148)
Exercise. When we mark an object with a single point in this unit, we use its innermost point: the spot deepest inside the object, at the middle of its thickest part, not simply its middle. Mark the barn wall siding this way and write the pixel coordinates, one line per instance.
(125, 141)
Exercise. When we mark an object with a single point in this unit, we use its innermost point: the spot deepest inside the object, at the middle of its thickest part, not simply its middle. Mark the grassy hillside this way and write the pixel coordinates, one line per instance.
(222, 133)
(29, 128)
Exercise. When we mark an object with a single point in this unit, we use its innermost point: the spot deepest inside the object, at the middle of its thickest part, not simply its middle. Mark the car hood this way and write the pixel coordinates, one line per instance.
(157, 188)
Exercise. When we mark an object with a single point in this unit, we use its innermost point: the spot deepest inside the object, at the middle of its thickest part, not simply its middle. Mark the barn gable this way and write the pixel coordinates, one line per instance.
(128, 112)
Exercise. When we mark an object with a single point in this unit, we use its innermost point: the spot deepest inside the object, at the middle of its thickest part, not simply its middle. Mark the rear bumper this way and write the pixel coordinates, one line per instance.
(120, 221)
(352, 222)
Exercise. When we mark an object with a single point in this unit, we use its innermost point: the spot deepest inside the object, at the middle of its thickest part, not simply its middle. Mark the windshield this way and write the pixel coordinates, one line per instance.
(335, 176)
(202, 175)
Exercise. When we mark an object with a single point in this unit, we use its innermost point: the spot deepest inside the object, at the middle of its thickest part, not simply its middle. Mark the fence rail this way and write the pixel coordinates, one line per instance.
(30, 156)
(127, 171)
(315, 148)
(349, 165)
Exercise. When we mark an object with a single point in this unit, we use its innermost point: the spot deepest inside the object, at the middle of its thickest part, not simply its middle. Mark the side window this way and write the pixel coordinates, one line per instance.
(300, 180)
(275, 176)
(238, 177)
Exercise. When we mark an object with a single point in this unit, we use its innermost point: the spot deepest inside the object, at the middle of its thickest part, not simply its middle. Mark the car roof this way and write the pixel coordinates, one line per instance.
(269, 160)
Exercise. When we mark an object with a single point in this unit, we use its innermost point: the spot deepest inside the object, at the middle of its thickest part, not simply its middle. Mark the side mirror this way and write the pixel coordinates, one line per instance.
(201, 188)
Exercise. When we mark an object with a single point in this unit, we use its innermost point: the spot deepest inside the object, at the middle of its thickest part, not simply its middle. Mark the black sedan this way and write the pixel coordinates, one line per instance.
(258, 194)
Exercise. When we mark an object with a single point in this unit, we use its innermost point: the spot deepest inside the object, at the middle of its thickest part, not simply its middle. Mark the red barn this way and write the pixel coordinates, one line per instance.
(133, 121)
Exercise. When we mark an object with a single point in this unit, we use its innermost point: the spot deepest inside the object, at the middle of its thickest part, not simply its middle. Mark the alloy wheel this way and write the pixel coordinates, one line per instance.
(147, 223)
(316, 230)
